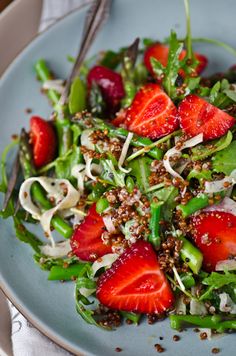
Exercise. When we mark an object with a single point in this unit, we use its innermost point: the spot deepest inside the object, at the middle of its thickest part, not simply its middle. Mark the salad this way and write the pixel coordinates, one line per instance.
(133, 183)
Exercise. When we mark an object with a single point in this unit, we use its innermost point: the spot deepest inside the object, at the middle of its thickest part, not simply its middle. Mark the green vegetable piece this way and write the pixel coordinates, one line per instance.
(200, 152)
(167, 196)
(188, 280)
(102, 204)
(131, 316)
(64, 165)
(176, 321)
(140, 169)
(25, 235)
(201, 176)
(76, 133)
(129, 184)
(97, 191)
(154, 225)
(64, 274)
(193, 205)
(231, 94)
(191, 255)
(44, 74)
(224, 161)
(77, 97)
(218, 280)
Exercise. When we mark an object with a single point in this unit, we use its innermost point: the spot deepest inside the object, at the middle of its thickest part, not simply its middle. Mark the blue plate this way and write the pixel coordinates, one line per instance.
(50, 305)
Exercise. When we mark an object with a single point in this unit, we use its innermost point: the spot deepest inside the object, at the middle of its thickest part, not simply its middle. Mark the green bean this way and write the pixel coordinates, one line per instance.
(64, 134)
(194, 205)
(215, 322)
(187, 280)
(64, 274)
(154, 238)
(131, 316)
(191, 255)
(101, 205)
(44, 74)
(77, 97)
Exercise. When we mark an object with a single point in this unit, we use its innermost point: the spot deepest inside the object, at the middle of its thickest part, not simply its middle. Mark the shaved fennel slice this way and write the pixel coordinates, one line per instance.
(60, 249)
(78, 171)
(85, 139)
(174, 151)
(124, 153)
(222, 184)
(104, 261)
(55, 84)
(54, 188)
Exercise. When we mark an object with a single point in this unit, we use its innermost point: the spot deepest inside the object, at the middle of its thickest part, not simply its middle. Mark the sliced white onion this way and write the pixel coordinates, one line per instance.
(78, 171)
(219, 185)
(180, 306)
(54, 188)
(196, 308)
(226, 304)
(104, 261)
(174, 151)
(55, 84)
(109, 224)
(86, 140)
(61, 249)
(227, 205)
(124, 151)
(226, 265)
(86, 292)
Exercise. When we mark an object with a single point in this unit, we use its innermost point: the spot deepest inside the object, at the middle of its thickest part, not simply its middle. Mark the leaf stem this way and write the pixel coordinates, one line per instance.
(188, 27)
(217, 43)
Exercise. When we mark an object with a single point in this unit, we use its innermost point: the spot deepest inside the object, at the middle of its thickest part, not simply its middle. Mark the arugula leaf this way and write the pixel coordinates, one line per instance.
(111, 59)
(200, 152)
(224, 161)
(46, 263)
(110, 174)
(200, 175)
(167, 196)
(140, 169)
(214, 92)
(25, 235)
(173, 64)
(218, 280)
(65, 164)
(231, 94)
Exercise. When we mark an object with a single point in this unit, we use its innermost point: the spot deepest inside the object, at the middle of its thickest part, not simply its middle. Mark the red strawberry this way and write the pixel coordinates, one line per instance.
(120, 117)
(86, 242)
(152, 113)
(215, 235)
(109, 82)
(160, 52)
(135, 282)
(197, 116)
(44, 141)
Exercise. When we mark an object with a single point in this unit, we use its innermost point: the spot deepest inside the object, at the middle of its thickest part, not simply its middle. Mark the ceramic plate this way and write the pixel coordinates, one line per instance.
(51, 305)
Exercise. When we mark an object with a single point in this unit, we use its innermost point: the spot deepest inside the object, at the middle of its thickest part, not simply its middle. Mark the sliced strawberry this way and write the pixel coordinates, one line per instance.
(215, 235)
(160, 52)
(109, 82)
(86, 242)
(119, 120)
(135, 282)
(197, 116)
(44, 141)
(152, 113)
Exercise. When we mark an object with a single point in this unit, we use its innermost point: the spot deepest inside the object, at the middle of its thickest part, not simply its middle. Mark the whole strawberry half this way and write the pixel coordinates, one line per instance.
(215, 235)
(197, 116)
(43, 140)
(109, 82)
(160, 52)
(86, 242)
(152, 113)
(135, 282)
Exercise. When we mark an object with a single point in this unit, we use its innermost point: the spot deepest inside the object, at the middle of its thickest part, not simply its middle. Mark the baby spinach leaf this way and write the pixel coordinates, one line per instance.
(224, 161)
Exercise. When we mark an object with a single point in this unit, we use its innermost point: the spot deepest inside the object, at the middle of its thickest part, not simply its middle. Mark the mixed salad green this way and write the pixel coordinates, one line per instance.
(136, 176)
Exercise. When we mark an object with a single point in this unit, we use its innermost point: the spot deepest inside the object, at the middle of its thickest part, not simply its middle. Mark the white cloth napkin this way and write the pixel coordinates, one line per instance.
(17, 336)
